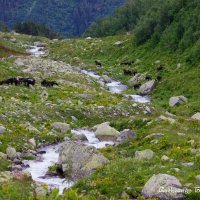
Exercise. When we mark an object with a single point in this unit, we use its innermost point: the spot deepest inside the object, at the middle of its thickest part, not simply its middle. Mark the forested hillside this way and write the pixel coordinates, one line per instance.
(175, 24)
(68, 17)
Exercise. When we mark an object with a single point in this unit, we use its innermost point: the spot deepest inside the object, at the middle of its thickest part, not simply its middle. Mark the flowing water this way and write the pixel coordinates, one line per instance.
(39, 169)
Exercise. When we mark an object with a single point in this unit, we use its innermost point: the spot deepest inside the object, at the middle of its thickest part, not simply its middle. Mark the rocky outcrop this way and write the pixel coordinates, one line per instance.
(105, 132)
(62, 127)
(178, 100)
(147, 88)
(77, 160)
(163, 186)
(145, 154)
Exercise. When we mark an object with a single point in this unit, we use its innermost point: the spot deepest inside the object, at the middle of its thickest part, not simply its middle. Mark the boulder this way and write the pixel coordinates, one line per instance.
(62, 127)
(138, 78)
(145, 154)
(77, 160)
(178, 100)
(126, 134)
(147, 87)
(105, 132)
(196, 116)
(11, 153)
(2, 129)
(163, 186)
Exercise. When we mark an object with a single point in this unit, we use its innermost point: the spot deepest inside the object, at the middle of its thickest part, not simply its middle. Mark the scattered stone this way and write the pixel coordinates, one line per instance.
(118, 43)
(189, 164)
(32, 129)
(159, 186)
(74, 118)
(2, 129)
(176, 169)
(1, 99)
(77, 160)
(17, 161)
(32, 142)
(145, 154)
(62, 127)
(196, 116)
(197, 177)
(11, 153)
(125, 135)
(157, 135)
(147, 88)
(138, 78)
(172, 121)
(104, 132)
(164, 158)
(178, 100)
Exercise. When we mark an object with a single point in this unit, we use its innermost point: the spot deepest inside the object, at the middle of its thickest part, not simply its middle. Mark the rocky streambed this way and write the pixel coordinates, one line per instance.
(50, 155)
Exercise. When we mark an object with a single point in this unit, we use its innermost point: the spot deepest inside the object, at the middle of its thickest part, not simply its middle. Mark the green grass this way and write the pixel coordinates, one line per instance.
(124, 173)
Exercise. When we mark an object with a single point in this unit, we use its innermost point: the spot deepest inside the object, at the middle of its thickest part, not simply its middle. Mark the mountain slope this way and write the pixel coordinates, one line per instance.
(68, 17)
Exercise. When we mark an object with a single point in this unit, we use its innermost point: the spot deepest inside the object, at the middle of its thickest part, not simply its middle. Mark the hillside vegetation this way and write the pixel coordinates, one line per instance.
(68, 17)
(172, 24)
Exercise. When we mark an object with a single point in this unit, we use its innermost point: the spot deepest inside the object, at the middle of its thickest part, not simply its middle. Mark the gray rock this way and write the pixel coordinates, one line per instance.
(159, 186)
(105, 132)
(138, 78)
(11, 153)
(196, 116)
(1, 99)
(147, 88)
(189, 164)
(2, 129)
(126, 134)
(145, 154)
(62, 127)
(32, 142)
(197, 177)
(164, 158)
(77, 160)
(178, 100)
(171, 120)
(16, 168)
(106, 79)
